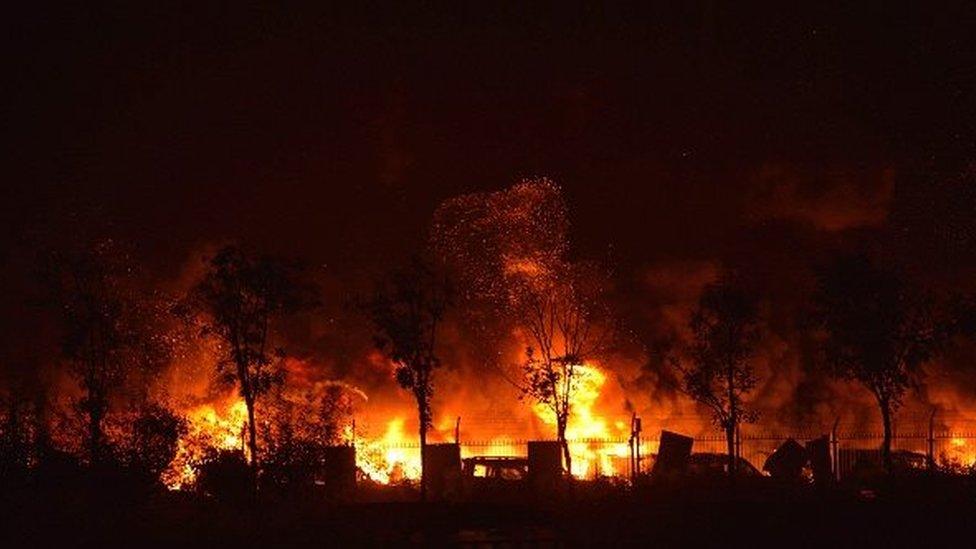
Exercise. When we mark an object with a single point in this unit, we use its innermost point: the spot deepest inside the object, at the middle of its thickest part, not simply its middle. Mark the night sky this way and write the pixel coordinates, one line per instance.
(679, 133)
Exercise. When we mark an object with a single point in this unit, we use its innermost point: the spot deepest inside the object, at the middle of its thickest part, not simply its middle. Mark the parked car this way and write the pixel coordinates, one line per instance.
(495, 477)
(714, 465)
(496, 468)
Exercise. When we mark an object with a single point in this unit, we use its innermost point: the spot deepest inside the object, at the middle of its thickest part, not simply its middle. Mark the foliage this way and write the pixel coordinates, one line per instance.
(878, 331)
(717, 371)
(406, 313)
(725, 331)
(110, 329)
(236, 302)
(153, 440)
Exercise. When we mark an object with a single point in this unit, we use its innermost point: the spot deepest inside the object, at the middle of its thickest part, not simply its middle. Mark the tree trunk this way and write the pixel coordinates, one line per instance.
(95, 437)
(886, 439)
(561, 436)
(730, 446)
(423, 458)
(95, 415)
(733, 420)
(42, 436)
(252, 439)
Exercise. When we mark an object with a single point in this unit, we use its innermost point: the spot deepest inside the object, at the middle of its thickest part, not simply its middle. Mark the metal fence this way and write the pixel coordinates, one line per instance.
(916, 446)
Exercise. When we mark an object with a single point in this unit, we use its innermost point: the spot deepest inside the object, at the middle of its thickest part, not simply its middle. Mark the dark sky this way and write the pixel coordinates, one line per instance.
(678, 132)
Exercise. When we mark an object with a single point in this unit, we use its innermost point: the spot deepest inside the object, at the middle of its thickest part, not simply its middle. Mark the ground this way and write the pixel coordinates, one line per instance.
(907, 517)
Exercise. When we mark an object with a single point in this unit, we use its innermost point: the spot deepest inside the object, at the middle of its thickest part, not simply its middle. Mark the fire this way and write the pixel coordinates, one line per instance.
(394, 455)
(960, 451)
(391, 458)
(209, 426)
(586, 423)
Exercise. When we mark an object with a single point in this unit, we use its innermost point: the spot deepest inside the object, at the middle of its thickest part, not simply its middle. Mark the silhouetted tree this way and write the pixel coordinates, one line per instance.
(153, 441)
(237, 301)
(109, 326)
(717, 371)
(406, 313)
(560, 317)
(879, 331)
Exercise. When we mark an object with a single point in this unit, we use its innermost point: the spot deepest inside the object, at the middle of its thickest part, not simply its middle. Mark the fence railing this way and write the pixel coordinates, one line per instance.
(615, 457)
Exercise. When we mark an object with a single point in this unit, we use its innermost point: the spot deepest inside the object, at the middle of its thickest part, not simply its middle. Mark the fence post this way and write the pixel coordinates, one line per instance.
(637, 446)
(738, 443)
(633, 448)
(931, 452)
(834, 450)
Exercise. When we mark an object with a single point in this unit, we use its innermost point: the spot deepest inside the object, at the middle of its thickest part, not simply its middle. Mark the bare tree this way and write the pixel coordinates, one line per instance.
(237, 301)
(560, 318)
(878, 332)
(717, 370)
(406, 313)
(508, 250)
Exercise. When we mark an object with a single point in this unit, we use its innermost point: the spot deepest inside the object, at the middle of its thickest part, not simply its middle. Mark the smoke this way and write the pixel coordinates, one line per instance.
(832, 200)
(795, 220)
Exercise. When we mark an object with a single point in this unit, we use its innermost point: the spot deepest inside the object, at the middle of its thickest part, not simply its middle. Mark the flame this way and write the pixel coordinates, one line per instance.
(394, 456)
(589, 460)
(209, 426)
(960, 451)
(391, 458)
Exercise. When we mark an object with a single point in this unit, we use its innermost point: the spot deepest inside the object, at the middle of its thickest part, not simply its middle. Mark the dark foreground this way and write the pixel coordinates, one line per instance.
(912, 518)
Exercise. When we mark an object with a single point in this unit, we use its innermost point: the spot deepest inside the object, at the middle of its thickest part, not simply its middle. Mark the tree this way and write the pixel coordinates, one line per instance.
(559, 319)
(878, 332)
(107, 327)
(508, 250)
(153, 438)
(717, 372)
(406, 312)
(236, 302)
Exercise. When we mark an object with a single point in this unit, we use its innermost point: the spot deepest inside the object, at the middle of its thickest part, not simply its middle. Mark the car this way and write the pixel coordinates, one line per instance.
(496, 468)
(495, 478)
(715, 464)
